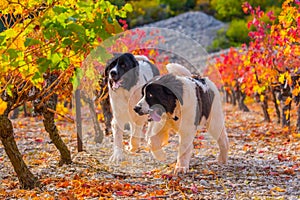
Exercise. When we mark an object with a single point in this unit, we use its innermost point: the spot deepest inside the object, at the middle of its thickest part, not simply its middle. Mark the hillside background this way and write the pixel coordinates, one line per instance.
(217, 24)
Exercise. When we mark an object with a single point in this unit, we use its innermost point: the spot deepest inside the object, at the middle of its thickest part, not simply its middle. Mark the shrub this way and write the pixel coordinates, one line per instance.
(237, 32)
(220, 42)
(145, 12)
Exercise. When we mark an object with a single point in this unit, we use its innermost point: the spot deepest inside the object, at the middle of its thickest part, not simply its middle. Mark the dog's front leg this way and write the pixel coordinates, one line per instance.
(157, 136)
(136, 137)
(185, 151)
(156, 143)
(118, 142)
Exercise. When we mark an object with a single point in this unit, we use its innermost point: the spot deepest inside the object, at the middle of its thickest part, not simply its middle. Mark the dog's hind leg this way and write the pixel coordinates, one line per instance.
(223, 146)
(118, 142)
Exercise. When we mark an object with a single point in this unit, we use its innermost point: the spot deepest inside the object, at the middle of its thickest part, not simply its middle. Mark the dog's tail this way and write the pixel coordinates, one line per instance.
(141, 58)
(177, 69)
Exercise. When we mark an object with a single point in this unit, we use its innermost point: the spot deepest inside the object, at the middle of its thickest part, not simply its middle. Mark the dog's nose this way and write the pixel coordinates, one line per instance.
(138, 109)
(113, 74)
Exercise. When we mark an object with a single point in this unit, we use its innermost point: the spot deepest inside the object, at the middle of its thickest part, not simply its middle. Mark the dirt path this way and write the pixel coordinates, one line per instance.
(263, 164)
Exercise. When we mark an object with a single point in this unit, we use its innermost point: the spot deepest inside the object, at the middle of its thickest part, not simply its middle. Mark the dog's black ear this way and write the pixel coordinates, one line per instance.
(172, 91)
(132, 59)
(179, 97)
(111, 63)
(107, 69)
(167, 90)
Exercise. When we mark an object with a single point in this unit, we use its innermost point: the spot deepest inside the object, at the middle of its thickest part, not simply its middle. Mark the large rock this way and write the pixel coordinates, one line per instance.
(197, 25)
(185, 38)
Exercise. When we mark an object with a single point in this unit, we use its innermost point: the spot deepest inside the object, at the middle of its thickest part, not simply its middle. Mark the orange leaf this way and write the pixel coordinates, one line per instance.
(208, 172)
(289, 171)
(62, 184)
(288, 100)
(278, 189)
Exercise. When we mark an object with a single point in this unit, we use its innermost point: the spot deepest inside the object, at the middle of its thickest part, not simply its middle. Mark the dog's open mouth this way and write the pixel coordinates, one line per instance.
(155, 114)
(116, 84)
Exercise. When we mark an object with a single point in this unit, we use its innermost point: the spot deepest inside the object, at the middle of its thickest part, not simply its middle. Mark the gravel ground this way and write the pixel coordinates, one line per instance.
(263, 164)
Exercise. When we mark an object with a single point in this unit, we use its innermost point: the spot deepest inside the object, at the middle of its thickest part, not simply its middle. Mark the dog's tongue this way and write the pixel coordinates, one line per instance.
(116, 85)
(155, 116)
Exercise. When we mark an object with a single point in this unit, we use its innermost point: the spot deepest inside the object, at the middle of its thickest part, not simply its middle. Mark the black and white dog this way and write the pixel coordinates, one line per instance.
(126, 75)
(178, 102)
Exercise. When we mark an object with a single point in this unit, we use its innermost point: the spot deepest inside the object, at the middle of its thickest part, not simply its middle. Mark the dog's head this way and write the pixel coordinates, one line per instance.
(122, 71)
(159, 96)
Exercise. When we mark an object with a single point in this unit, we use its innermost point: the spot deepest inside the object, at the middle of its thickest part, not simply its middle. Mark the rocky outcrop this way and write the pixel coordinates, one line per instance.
(185, 38)
(197, 25)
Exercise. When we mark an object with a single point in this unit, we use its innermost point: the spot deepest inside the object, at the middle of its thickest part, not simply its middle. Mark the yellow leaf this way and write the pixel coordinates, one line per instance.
(277, 101)
(278, 189)
(3, 106)
(296, 135)
(262, 98)
(287, 114)
(18, 9)
(281, 78)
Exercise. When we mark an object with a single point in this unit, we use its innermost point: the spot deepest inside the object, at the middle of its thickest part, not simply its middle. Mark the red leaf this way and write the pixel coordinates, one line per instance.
(39, 140)
(282, 157)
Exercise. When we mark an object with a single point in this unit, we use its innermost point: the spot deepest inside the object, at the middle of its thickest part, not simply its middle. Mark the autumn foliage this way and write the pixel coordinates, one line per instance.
(42, 47)
(267, 68)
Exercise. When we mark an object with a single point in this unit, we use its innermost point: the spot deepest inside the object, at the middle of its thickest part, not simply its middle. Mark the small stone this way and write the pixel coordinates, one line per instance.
(204, 182)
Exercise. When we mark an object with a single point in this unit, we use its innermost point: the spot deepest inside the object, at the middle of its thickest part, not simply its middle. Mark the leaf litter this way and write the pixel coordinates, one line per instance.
(263, 164)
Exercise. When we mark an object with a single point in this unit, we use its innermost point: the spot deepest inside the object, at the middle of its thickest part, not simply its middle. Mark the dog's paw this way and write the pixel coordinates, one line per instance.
(134, 144)
(179, 170)
(117, 155)
(222, 159)
(159, 155)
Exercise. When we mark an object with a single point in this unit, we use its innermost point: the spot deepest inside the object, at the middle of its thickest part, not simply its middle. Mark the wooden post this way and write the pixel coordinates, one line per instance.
(78, 120)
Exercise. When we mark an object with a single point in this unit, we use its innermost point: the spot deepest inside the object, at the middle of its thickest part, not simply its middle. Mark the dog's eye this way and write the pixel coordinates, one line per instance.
(150, 95)
(123, 65)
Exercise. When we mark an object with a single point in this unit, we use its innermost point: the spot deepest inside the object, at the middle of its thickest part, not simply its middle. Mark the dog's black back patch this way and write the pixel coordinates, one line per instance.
(164, 91)
(154, 69)
(204, 98)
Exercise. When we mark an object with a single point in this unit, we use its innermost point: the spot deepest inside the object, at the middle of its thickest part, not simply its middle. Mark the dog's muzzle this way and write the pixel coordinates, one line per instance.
(138, 110)
(114, 75)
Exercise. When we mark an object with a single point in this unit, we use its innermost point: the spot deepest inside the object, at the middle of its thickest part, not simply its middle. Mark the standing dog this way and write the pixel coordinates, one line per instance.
(126, 76)
(179, 102)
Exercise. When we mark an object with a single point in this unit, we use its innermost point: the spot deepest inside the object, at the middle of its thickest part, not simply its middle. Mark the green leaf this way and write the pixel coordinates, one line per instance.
(64, 32)
(37, 75)
(76, 28)
(2, 40)
(83, 4)
(13, 53)
(44, 64)
(55, 59)
(75, 80)
(31, 41)
(9, 90)
(110, 19)
(67, 41)
(64, 64)
(5, 57)
(128, 7)
(49, 33)
(59, 9)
